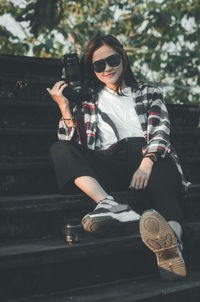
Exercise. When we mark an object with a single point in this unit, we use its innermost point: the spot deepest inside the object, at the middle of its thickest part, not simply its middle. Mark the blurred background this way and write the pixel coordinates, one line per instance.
(161, 37)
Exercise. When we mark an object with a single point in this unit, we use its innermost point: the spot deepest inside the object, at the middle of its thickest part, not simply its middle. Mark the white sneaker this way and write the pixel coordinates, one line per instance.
(110, 216)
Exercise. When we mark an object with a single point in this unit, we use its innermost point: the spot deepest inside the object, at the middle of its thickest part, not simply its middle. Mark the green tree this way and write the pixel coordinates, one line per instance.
(161, 37)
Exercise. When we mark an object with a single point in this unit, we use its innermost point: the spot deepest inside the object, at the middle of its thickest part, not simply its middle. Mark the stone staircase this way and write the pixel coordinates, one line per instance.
(36, 264)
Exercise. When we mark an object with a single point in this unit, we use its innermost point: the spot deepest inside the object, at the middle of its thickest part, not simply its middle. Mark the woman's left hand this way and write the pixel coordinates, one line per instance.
(141, 176)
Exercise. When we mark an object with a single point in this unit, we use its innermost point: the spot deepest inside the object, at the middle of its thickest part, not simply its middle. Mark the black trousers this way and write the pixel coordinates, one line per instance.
(114, 169)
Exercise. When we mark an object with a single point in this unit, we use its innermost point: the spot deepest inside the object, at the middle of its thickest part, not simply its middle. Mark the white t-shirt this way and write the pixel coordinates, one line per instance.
(121, 110)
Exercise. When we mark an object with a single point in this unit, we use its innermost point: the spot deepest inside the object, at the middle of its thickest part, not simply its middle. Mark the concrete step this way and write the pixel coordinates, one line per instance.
(23, 67)
(186, 140)
(34, 174)
(185, 115)
(25, 87)
(145, 289)
(23, 176)
(46, 266)
(191, 165)
(29, 112)
(26, 141)
(51, 265)
(39, 216)
(43, 216)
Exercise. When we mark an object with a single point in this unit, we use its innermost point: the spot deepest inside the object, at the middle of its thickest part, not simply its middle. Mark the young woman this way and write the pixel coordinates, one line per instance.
(122, 144)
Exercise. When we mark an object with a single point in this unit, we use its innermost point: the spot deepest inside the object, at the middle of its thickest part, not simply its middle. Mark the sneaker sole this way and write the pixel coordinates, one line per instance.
(159, 237)
(108, 226)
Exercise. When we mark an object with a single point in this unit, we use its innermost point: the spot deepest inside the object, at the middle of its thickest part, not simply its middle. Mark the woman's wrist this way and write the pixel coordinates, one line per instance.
(152, 156)
(66, 114)
(147, 161)
(69, 121)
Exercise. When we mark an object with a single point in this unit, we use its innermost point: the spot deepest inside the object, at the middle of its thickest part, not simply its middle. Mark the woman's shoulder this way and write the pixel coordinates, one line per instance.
(149, 93)
(147, 88)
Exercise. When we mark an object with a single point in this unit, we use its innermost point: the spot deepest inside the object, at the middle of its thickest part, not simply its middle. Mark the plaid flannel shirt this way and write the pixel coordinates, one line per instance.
(152, 112)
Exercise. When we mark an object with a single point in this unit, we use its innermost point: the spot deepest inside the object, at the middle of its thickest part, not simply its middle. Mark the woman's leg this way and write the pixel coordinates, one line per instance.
(160, 238)
(70, 162)
(72, 166)
(92, 171)
(162, 196)
(91, 187)
(165, 192)
(86, 167)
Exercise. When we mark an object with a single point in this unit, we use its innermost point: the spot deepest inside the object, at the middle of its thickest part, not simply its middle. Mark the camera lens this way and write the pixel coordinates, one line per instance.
(72, 68)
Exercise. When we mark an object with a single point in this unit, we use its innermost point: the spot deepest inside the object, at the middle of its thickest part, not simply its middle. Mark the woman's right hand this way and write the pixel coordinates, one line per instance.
(56, 93)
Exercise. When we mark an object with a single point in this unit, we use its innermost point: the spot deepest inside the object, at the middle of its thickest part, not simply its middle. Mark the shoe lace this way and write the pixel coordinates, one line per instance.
(106, 203)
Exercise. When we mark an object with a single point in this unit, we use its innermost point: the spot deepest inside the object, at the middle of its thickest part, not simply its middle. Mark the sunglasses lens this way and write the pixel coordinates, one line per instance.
(113, 61)
(99, 66)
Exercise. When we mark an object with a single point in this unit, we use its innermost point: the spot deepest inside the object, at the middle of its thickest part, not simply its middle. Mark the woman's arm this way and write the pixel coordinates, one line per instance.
(141, 176)
(66, 124)
(63, 103)
(158, 145)
(158, 125)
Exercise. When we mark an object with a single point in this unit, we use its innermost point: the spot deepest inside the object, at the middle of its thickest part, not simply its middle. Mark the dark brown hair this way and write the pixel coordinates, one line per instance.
(86, 62)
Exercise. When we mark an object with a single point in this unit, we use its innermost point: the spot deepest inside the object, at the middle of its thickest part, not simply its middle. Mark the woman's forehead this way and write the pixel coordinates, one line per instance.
(103, 52)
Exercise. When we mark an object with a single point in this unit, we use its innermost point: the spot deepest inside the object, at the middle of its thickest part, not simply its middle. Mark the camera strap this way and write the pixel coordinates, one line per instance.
(80, 125)
(108, 120)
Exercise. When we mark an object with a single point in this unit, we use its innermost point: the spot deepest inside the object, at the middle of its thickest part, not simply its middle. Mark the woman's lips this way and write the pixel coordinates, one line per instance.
(109, 74)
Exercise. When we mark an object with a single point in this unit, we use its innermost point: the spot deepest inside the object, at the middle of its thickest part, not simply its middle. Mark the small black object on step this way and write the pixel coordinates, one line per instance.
(73, 231)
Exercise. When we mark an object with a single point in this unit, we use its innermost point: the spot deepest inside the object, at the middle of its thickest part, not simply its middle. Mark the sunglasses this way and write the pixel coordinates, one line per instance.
(113, 61)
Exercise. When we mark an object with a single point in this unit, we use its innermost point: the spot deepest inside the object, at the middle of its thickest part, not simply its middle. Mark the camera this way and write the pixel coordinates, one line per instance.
(77, 90)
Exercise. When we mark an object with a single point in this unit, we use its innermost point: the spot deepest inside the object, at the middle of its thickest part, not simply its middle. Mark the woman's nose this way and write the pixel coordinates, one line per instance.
(108, 67)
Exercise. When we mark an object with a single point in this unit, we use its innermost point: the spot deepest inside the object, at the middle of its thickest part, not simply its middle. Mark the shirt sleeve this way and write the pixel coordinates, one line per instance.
(158, 125)
(65, 132)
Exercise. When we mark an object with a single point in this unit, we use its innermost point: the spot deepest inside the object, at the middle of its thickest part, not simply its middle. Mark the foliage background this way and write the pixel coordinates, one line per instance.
(161, 37)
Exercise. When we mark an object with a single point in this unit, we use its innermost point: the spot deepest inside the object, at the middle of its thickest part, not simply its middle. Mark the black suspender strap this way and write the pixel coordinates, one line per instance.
(80, 126)
(108, 120)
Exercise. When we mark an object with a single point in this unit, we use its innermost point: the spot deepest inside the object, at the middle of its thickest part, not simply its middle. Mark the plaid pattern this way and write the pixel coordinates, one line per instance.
(154, 119)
